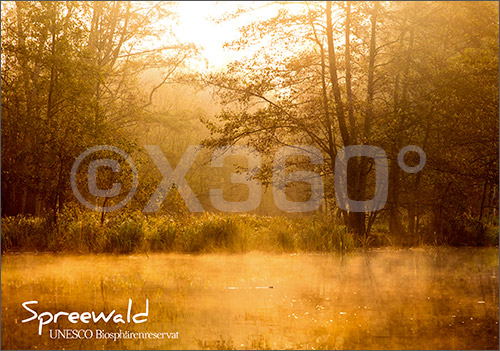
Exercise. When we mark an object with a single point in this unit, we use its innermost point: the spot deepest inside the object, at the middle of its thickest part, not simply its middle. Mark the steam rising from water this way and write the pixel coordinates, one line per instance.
(435, 298)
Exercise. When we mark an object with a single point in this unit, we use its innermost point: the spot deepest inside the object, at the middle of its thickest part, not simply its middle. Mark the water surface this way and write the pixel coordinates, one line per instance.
(381, 299)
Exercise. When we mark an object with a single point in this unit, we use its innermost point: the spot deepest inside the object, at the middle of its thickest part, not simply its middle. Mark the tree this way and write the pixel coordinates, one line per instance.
(293, 89)
(70, 81)
(382, 74)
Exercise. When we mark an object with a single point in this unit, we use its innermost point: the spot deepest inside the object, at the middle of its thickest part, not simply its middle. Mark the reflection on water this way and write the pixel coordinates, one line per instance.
(411, 299)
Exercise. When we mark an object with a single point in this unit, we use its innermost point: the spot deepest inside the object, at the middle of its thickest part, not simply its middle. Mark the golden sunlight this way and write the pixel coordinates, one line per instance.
(249, 175)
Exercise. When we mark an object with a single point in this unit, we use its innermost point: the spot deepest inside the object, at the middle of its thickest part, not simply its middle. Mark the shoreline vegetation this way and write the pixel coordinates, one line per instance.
(134, 232)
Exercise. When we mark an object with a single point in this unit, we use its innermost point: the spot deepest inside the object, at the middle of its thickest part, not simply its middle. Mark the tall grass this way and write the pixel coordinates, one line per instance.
(133, 232)
(136, 232)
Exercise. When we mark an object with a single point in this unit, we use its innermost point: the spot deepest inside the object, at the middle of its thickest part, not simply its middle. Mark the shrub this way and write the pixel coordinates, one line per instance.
(125, 237)
(208, 233)
(320, 235)
(491, 234)
(161, 234)
(26, 233)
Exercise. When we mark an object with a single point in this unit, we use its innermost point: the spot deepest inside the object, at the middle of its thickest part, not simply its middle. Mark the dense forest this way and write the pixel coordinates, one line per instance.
(325, 74)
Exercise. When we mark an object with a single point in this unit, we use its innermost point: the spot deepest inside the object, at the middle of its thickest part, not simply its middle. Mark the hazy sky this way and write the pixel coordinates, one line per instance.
(195, 26)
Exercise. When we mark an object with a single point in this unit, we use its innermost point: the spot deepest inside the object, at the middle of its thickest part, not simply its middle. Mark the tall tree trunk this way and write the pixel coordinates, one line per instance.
(413, 208)
(371, 74)
(400, 112)
(348, 76)
(363, 171)
(339, 105)
(356, 220)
